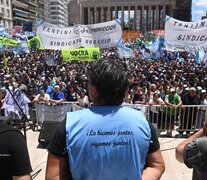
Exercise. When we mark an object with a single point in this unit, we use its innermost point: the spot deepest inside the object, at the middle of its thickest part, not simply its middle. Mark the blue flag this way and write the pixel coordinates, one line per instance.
(198, 57)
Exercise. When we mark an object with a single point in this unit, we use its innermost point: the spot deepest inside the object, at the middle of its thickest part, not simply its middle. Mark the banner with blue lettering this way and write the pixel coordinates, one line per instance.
(181, 34)
(102, 35)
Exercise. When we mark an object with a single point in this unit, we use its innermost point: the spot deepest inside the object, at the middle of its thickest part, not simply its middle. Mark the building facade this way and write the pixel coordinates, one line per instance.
(59, 12)
(33, 13)
(141, 15)
(44, 10)
(183, 10)
(6, 14)
(20, 13)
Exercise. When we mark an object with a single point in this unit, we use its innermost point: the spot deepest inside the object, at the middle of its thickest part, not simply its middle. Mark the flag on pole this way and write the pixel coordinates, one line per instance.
(136, 53)
(5, 62)
(35, 43)
(197, 57)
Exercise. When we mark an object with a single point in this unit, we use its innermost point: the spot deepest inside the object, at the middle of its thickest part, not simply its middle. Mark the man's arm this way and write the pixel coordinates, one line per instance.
(155, 166)
(57, 162)
(55, 167)
(56, 101)
(25, 177)
(181, 146)
(143, 101)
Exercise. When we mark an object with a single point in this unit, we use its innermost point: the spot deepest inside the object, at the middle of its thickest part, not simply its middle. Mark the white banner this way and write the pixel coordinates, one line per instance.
(181, 34)
(103, 35)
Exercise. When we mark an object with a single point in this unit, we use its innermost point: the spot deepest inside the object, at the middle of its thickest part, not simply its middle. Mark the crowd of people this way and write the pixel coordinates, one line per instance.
(44, 76)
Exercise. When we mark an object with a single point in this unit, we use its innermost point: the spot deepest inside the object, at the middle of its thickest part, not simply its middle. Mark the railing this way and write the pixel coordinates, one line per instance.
(188, 118)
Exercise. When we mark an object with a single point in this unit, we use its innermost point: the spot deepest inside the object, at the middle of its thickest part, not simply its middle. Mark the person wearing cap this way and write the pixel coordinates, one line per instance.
(202, 113)
(173, 101)
(189, 114)
(41, 97)
(155, 110)
(57, 96)
(193, 151)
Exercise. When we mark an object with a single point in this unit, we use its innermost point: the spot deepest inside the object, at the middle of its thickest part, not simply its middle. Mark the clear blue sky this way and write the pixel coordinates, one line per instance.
(199, 9)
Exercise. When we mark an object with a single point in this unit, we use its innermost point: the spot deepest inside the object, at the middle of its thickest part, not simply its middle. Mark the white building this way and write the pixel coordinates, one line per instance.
(59, 12)
(6, 14)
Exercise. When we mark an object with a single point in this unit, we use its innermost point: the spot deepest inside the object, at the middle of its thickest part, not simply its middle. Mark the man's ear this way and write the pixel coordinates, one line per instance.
(93, 90)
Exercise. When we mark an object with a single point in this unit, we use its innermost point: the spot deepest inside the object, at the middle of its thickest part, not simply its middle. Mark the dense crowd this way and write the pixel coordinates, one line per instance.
(31, 72)
(44, 73)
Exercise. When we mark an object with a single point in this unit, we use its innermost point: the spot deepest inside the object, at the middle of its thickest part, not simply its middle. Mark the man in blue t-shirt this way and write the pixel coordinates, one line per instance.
(57, 96)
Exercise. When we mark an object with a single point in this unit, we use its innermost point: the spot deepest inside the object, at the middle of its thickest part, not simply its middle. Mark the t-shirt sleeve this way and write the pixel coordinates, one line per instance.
(167, 98)
(20, 156)
(57, 145)
(195, 152)
(154, 143)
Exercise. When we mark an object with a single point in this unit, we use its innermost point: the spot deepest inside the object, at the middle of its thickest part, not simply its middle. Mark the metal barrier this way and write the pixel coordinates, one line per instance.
(187, 118)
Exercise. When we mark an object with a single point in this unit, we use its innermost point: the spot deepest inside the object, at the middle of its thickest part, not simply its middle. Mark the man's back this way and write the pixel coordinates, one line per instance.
(111, 140)
(14, 157)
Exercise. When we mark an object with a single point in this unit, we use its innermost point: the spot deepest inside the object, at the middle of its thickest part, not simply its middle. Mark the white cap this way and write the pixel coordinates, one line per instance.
(56, 86)
(15, 84)
(199, 88)
(172, 89)
(203, 91)
(192, 89)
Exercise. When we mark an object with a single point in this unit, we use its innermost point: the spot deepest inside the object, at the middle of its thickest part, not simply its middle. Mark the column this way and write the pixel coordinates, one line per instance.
(95, 15)
(116, 13)
(143, 19)
(122, 16)
(81, 14)
(157, 17)
(150, 18)
(101, 14)
(164, 14)
(135, 18)
(108, 14)
(89, 16)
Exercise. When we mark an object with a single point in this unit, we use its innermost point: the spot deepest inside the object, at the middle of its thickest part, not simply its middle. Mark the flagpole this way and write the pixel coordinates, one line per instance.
(24, 118)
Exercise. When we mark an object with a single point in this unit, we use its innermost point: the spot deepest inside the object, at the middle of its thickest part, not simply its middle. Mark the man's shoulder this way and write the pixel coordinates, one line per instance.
(6, 128)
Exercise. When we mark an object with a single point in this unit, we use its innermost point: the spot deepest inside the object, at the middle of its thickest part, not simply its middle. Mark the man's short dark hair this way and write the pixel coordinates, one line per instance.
(110, 80)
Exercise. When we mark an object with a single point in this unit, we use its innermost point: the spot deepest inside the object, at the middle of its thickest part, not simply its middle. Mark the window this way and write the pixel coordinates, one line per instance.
(8, 13)
(2, 1)
(7, 2)
(2, 10)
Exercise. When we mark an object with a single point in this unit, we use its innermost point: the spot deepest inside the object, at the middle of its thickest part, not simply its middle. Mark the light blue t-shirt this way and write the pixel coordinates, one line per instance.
(107, 143)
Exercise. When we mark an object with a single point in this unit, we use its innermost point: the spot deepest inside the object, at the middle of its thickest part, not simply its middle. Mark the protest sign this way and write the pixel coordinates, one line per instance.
(181, 34)
(83, 54)
(35, 43)
(8, 42)
(102, 35)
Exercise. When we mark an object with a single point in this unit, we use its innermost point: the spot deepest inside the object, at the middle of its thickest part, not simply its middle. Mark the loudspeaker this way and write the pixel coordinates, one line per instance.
(46, 132)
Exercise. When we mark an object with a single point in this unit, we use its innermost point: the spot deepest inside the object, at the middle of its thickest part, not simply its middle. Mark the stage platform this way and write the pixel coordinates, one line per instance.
(174, 170)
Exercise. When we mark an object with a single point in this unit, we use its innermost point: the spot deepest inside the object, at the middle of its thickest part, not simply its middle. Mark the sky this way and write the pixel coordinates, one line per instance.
(199, 9)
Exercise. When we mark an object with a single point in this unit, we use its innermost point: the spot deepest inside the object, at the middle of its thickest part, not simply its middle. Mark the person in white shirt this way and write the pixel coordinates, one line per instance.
(42, 97)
